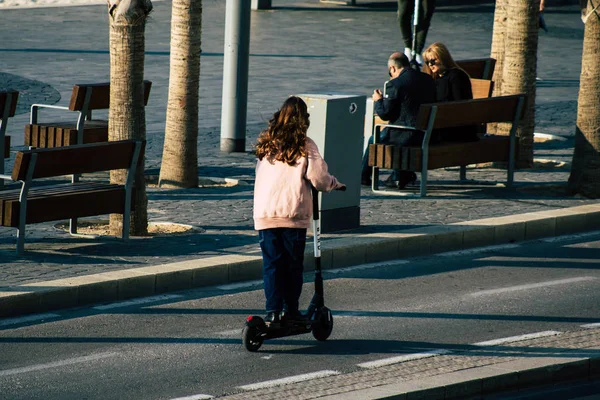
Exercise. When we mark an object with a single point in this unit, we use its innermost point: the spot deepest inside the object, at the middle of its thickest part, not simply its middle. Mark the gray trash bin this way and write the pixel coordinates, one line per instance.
(336, 125)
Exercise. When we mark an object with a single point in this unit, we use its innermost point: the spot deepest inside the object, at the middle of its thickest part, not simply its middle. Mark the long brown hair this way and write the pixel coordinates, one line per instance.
(285, 138)
(438, 51)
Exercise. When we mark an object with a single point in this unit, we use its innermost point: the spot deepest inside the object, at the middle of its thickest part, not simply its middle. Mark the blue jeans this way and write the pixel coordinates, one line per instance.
(283, 265)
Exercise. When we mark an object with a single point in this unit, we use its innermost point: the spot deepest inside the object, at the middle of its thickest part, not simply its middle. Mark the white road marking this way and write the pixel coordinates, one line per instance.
(533, 286)
(476, 250)
(234, 286)
(55, 364)
(26, 319)
(195, 397)
(403, 358)
(136, 302)
(570, 237)
(289, 379)
(591, 326)
(519, 338)
(366, 266)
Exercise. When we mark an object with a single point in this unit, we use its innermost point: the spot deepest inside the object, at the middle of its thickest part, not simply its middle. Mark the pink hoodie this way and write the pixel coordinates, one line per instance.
(282, 197)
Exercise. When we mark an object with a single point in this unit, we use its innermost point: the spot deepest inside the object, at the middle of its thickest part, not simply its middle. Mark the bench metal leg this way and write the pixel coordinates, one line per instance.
(463, 172)
(423, 183)
(374, 178)
(73, 226)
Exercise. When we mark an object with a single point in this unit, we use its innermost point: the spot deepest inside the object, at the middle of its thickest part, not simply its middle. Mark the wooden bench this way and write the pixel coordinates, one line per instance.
(426, 157)
(69, 200)
(478, 68)
(8, 107)
(84, 99)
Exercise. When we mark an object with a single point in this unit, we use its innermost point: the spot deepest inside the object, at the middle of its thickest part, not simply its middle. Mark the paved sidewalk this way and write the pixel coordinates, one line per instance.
(298, 47)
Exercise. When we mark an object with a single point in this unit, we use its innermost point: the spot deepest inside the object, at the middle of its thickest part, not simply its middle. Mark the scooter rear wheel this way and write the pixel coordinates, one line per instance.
(251, 339)
(322, 328)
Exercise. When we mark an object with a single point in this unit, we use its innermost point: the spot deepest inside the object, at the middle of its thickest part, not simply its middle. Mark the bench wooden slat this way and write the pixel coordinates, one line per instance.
(469, 112)
(479, 68)
(66, 206)
(78, 159)
(100, 98)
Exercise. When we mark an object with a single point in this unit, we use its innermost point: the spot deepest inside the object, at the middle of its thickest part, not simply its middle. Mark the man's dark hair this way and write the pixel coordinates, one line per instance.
(399, 60)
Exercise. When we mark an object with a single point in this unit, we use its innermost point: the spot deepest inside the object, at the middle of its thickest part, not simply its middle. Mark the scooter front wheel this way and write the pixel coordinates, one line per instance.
(323, 325)
(251, 338)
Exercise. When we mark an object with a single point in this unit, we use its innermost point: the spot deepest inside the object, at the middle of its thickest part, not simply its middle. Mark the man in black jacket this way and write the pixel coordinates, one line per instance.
(399, 104)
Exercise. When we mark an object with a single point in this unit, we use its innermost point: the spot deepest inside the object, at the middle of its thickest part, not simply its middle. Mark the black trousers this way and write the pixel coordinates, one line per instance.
(405, 12)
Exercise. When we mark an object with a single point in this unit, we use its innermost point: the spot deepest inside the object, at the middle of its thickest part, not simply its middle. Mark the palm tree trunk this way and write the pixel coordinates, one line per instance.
(520, 69)
(497, 52)
(179, 166)
(585, 171)
(126, 116)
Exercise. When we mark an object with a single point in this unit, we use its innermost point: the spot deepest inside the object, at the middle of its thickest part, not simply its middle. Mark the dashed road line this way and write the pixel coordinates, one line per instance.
(195, 397)
(591, 326)
(137, 302)
(533, 286)
(519, 338)
(403, 358)
(366, 266)
(56, 364)
(27, 319)
(477, 250)
(289, 379)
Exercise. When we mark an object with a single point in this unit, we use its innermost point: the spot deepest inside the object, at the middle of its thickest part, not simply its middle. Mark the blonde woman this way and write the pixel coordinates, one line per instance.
(452, 84)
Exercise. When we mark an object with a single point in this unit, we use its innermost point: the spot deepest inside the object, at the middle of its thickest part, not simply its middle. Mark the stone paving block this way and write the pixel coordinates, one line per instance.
(170, 281)
(382, 250)
(247, 269)
(347, 252)
(510, 233)
(495, 383)
(478, 236)
(97, 292)
(54, 299)
(540, 228)
(411, 245)
(210, 275)
(18, 303)
(132, 282)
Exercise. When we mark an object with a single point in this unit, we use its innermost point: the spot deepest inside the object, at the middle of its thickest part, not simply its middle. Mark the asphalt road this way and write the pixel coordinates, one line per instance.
(188, 343)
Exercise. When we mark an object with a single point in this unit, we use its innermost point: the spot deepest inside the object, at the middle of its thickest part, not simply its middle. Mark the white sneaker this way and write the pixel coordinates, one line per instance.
(419, 59)
(408, 53)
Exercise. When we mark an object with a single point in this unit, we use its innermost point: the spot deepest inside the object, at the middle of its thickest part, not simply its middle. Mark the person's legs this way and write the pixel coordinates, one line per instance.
(405, 12)
(427, 7)
(273, 271)
(294, 241)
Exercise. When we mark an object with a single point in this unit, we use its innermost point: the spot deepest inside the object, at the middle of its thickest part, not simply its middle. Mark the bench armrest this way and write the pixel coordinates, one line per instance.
(6, 177)
(34, 111)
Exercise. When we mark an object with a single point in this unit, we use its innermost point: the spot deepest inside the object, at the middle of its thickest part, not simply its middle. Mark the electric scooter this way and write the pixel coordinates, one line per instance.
(319, 319)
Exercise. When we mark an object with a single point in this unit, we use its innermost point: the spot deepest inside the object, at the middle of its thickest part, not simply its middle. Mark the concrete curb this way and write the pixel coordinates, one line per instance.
(336, 253)
(524, 373)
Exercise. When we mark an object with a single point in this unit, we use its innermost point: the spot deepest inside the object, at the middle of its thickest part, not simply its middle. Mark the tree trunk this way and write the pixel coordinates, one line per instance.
(585, 171)
(179, 166)
(126, 116)
(497, 52)
(520, 69)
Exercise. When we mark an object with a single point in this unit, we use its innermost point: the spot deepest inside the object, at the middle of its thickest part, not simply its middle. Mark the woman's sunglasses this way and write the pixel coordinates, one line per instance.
(431, 62)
